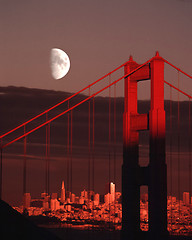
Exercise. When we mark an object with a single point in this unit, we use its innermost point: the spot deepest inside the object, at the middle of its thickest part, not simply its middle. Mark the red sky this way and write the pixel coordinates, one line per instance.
(97, 36)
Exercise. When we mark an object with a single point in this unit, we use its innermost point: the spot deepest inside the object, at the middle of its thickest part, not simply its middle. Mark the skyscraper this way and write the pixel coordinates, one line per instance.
(62, 192)
(112, 191)
(26, 200)
(186, 198)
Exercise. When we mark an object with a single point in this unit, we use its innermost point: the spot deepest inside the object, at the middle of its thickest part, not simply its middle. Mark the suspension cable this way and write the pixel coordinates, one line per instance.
(178, 69)
(109, 129)
(114, 150)
(178, 90)
(93, 147)
(76, 105)
(89, 147)
(68, 139)
(89, 157)
(171, 191)
(24, 173)
(48, 158)
(47, 155)
(24, 165)
(109, 149)
(115, 136)
(46, 186)
(178, 142)
(72, 96)
(71, 154)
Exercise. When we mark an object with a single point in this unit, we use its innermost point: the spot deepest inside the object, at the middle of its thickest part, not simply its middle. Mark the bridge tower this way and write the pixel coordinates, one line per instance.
(155, 174)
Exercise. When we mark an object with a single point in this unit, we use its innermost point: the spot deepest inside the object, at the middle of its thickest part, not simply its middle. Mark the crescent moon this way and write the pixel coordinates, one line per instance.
(60, 63)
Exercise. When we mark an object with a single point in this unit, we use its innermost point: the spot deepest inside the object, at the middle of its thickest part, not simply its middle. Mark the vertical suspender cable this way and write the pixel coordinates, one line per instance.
(114, 147)
(68, 160)
(109, 145)
(93, 155)
(47, 154)
(46, 159)
(71, 149)
(178, 116)
(93, 147)
(89, 146)
(24, 168)
(109, 139)
(171, 191)
(114, 136)
(68, 138)
(89, 157)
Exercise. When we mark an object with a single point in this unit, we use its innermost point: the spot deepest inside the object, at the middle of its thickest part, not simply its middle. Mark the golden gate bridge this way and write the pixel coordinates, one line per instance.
(134, 176)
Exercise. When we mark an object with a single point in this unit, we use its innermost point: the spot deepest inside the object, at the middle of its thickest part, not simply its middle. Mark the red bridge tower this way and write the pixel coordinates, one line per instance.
(155, 174)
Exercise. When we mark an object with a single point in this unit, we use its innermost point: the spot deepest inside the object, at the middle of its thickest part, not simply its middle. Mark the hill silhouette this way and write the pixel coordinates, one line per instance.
(13, 225)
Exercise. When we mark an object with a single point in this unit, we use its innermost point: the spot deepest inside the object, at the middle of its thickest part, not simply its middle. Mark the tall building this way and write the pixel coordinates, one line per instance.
(96, 199)
(26, 200)
(73, 198)
(91, 195)
(144, 197)
(107, 198)
(62, 192)
(43, 195)
(54, 196)
(84, 194)
(45, 204)
(186, 198)
(112, 191)
(118, 196)
(54, 204)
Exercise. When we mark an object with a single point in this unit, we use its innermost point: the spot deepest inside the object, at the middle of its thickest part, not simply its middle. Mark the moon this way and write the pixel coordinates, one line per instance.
(60, 63)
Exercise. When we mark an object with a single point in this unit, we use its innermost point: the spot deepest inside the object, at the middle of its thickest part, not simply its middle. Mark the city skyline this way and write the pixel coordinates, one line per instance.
(90, 209)
(109, 196)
